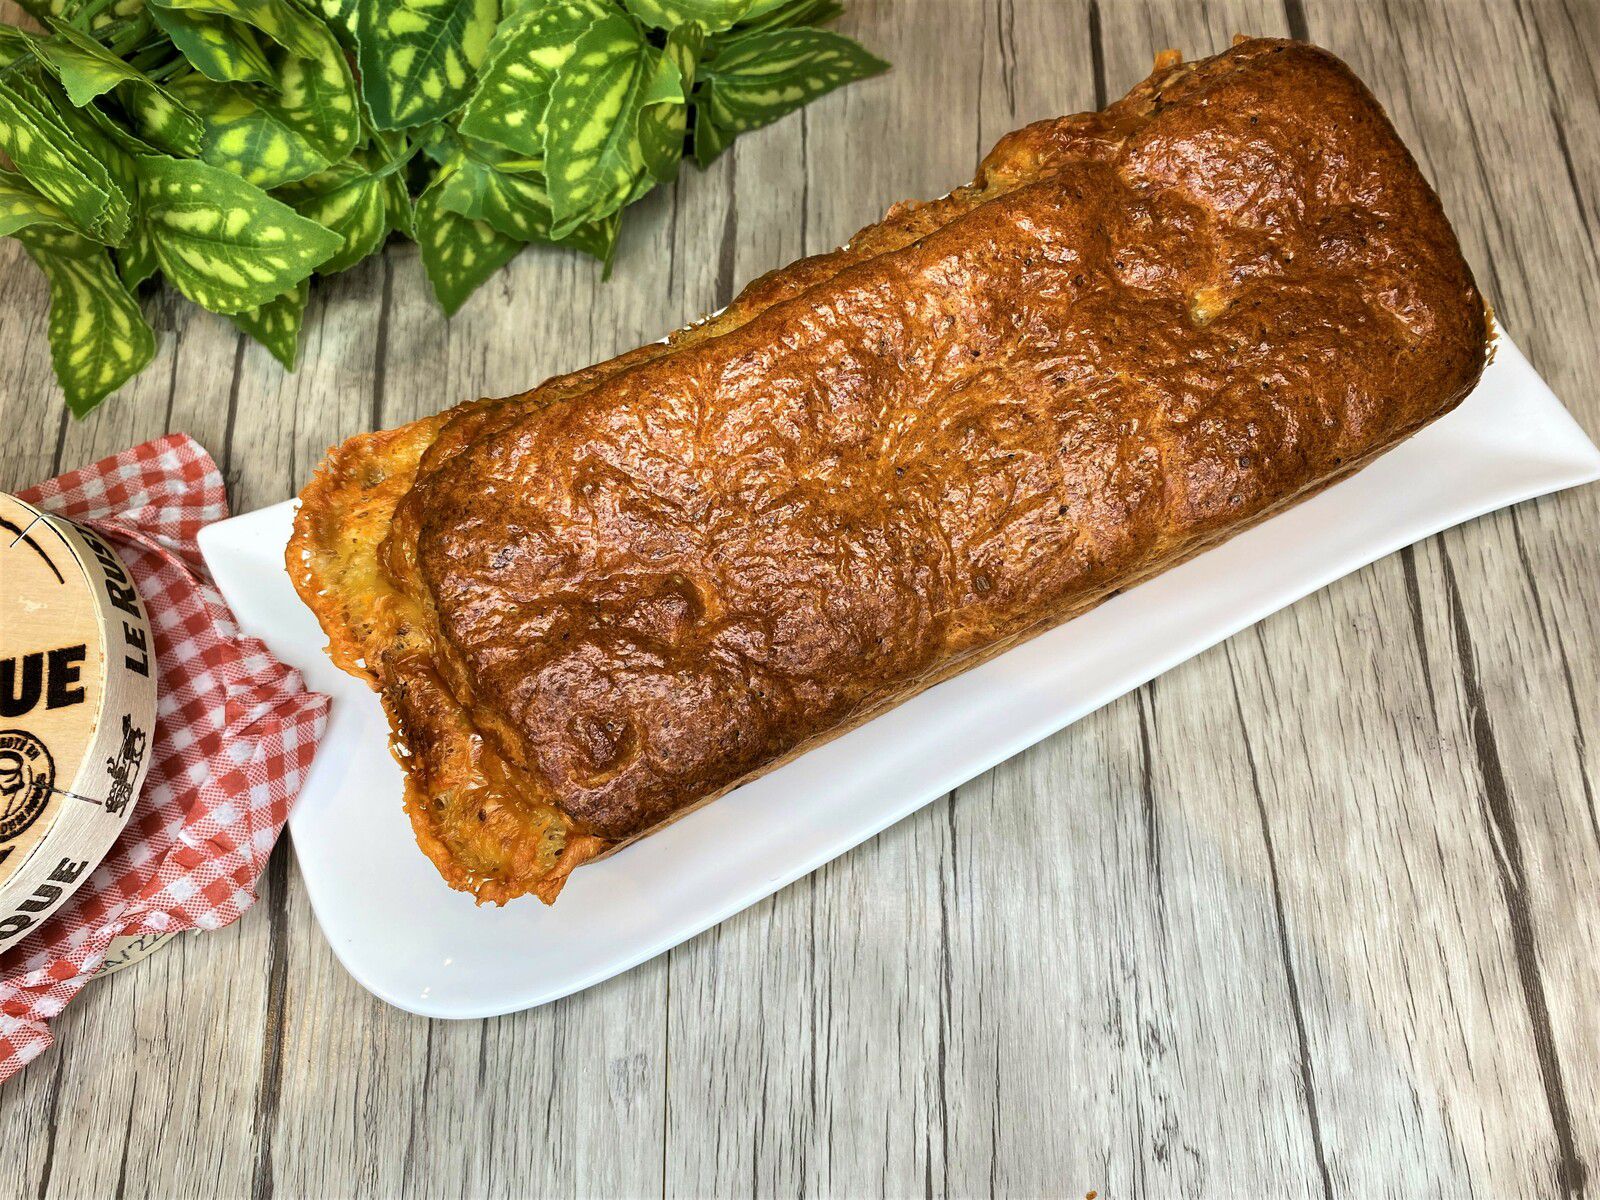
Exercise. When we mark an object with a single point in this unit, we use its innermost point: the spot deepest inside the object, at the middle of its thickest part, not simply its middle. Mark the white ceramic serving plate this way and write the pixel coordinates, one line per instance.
(411, 940)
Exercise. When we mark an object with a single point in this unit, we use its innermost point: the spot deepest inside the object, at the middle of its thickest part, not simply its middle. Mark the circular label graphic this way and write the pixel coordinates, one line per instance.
(27, 777)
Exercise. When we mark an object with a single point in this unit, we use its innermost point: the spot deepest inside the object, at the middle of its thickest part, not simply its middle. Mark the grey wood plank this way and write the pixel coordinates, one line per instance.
(1487, 114)
(1073, 839)
(1320, 1043)
(1114, 858)
(804, 1032)
(1094, 831)
(981, 1060)
(85, 1090)
(30, 407)
(282, 424)
(397, 1121)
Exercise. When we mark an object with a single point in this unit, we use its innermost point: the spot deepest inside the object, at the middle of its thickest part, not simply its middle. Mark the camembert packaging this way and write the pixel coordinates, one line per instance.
(77, 709)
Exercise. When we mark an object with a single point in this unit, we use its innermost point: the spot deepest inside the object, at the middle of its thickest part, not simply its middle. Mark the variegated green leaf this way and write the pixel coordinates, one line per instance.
(352, 202)
(317, 95)
(161, 120)
(515, 205)
(341, 16)
(226, 244)
(282, 21)
(44, 150)
(67, 243)
(68, 10)
(781, 14)
(597, 238)
(460, 184)
(709, 140)
(136, 258)
(417, 57)
(247, 135)
(276, 324)
(711, 15)
(508, 105)
(98, 336)
(269, 139)
(458, 253)
(15, 46)
(664, 116)
(86, 68)
(114, 133)
(756, 78)
(391, 143)
(97, 134)
(402, 212)
(22, 205)
(592, 155)
(221, 49)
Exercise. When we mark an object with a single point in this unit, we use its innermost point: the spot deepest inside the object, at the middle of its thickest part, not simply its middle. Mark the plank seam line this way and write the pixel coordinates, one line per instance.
(1419, 632)
(53, 1120)
(947, 890)
(380, 352)
(233, 414)
(666, 1076)
(1560, 127)
(1495, 807)
(1579, 741)
(1294, 15)
(269, 1088)
(727, 254)
(1097, 54)
(127, 1142)
(1144, 704)
(1291, 978)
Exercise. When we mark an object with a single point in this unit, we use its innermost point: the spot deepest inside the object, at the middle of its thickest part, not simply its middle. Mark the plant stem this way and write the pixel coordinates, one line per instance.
(128, 39)
(394, 164)
(149, 58)
(86, 15)
(167, 71)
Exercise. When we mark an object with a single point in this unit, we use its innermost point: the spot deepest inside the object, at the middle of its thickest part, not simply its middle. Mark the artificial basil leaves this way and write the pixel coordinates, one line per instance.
(237, 147)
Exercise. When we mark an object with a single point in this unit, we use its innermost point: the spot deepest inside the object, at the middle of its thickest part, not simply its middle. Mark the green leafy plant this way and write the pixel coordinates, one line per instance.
(237, 148)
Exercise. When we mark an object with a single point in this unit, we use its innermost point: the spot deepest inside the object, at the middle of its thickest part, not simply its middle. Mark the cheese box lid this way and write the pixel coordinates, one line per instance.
(77, 709)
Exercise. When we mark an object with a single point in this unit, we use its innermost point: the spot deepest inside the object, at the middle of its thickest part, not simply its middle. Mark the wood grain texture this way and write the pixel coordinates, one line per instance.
(1314, 914)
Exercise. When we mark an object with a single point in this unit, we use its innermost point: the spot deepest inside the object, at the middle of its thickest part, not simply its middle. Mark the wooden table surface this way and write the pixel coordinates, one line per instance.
(1314, 914)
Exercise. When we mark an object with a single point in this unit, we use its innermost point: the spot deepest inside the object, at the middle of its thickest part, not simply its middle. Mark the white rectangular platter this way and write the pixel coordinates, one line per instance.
(412, 941)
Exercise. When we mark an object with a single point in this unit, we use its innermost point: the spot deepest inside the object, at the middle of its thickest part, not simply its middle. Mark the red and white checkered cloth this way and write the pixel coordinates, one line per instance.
(235, 734)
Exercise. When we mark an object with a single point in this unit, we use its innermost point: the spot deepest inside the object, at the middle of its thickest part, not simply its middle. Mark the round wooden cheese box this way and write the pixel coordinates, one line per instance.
(77, 709)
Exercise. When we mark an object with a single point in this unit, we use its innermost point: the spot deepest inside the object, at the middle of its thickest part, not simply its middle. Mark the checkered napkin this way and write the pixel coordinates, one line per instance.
(235, 732)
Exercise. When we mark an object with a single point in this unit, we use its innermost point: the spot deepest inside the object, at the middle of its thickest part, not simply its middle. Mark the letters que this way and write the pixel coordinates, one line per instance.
(53, 677)
(44, 898)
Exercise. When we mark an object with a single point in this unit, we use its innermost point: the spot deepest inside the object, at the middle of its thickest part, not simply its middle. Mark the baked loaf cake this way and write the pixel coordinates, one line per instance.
(592, 607)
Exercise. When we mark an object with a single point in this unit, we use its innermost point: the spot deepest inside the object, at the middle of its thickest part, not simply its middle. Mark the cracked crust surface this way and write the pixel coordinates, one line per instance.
(594, 606)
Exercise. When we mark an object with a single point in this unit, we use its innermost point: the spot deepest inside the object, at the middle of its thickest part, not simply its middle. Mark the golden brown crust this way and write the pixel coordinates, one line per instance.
(593, 607)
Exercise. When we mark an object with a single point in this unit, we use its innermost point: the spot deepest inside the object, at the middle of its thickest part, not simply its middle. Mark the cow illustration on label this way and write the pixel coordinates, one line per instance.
(123, 766)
